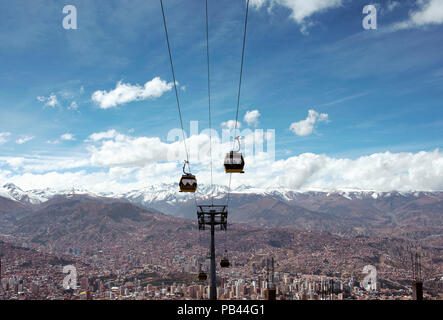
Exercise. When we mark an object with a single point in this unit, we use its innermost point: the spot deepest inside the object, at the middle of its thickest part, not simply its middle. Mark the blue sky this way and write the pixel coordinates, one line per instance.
(380, 89)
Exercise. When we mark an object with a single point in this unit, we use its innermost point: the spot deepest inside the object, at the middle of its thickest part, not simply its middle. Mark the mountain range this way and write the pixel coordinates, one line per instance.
(351, 228)
(417, 214)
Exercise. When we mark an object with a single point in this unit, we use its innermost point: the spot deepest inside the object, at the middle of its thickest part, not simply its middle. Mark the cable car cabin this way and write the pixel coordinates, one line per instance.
(202, 276)
(224, 263)
(188, 183)
(234, 162)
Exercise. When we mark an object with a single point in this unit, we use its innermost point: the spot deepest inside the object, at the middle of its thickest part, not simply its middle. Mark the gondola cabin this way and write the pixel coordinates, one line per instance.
(234, 162)
(224, 263)
(202, 276)
(188, 183)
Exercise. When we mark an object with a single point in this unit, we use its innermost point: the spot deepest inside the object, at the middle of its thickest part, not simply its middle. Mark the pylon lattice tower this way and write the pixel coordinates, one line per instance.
(212, 216)
(417, 284)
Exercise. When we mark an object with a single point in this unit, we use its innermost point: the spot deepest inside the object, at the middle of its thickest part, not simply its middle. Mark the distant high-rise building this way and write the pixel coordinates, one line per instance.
(84, 283)
(270, 292)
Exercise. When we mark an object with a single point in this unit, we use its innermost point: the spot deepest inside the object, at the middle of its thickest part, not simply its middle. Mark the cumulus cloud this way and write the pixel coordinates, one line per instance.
(122, 162)
(116, 149)
(380, 171)
(50, 101)
(110, 134)
(24, 139)
(111, 148)
(122, 150)
(4, 136)
(67, 137)
(116, 161)
(428, 12)
(251, 117)
(125, 93)
(307, 126)
(301, 10)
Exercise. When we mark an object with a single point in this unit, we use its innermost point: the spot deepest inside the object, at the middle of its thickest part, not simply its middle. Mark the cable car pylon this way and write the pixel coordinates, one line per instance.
(212, 215)
(209, 215)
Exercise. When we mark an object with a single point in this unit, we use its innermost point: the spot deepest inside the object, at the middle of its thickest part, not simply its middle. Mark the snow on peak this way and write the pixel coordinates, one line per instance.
(169, 193)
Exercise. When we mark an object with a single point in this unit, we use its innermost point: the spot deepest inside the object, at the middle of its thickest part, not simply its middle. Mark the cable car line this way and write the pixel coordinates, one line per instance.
(234, 161)
(209, 100)
(191, 185)
(175, 84)
(241, 67)
(238, 167)
(188, 182)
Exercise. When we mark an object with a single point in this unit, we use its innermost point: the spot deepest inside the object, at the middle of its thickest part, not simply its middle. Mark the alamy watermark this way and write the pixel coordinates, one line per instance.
(70, 20)
(70, 281)
(256, 143)
(370, 20)
(370, 280)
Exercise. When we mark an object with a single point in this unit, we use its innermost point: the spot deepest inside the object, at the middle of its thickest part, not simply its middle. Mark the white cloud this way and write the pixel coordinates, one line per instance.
(257, 3)
(301, 10)
(73, 106)
(50, 101)
(3, 137)
(125, 93)
(429, 12)
(111, 148)
(230, 124)
(110, 134)
(24, 139)
(37, 164)
(307, 126)
(67, 137)
(121, 162)
(251, 117)
(380, 171)
(123, 150)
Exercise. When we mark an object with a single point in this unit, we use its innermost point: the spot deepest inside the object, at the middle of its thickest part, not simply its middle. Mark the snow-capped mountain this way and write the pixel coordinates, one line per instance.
(170, 193)
(11, 191)
(36, 196)
(337, 211)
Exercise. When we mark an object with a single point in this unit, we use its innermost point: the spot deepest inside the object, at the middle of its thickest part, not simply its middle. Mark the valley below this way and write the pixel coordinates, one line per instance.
(156, 239)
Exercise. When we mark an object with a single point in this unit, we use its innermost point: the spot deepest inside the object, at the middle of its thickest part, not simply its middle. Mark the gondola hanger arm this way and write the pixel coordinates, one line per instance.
(186, 162)
(238, 139)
